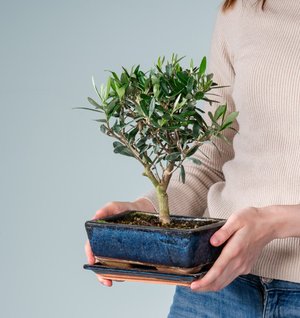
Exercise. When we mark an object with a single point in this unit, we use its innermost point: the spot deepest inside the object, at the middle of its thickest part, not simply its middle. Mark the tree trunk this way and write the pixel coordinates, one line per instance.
(162, 196)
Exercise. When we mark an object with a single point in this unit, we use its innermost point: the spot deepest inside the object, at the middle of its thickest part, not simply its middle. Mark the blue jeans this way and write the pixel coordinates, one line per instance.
(247, 296)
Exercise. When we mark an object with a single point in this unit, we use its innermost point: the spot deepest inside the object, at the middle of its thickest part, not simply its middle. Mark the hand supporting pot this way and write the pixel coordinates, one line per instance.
(113, 208)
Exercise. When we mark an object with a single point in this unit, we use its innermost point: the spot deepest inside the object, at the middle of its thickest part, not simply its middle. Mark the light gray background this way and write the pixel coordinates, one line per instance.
(57, 168)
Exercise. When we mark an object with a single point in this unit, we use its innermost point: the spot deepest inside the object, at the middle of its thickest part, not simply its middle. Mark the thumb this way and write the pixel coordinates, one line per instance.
(224, 233)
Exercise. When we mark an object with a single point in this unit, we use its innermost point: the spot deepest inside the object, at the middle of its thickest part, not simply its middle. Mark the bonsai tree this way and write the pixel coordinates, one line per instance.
(155, 117)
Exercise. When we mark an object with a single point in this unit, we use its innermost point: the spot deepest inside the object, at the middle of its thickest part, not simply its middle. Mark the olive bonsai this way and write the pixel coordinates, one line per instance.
(155, 117)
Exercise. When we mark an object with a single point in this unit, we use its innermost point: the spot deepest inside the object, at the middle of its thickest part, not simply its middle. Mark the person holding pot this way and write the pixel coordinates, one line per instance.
(254, 181)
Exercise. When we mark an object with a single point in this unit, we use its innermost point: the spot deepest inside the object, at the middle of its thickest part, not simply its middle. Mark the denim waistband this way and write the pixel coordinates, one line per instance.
(270, 284)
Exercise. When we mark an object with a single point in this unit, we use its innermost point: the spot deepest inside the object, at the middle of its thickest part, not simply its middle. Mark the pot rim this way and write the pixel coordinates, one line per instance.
(217, 223)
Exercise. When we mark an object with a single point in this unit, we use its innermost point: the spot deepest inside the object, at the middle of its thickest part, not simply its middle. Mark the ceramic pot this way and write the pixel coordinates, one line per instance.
(184, 250)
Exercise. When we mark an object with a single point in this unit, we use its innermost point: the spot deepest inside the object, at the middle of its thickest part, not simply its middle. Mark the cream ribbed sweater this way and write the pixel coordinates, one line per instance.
(257, 53)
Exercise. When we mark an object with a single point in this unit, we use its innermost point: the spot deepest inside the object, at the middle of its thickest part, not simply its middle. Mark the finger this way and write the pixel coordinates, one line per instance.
(229, 274)
(103, 281)
(226, 282)
(215, 279)
(103, 213)
(219, 271)
(89, 253)
(225, 232)
(113, 208)
(144, 204)
(225, 269)
(209, 278)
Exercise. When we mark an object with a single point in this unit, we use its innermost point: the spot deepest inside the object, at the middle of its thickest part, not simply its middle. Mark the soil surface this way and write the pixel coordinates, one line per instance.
(141, 219)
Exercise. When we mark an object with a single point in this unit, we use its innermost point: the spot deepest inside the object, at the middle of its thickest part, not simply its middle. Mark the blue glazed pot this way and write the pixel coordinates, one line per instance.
(180, 248)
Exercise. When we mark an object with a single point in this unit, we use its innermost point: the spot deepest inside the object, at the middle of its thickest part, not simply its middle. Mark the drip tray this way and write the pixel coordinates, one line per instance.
(147, 274)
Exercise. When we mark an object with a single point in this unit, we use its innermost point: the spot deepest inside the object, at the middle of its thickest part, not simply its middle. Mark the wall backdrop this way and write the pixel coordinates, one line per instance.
(56, 167)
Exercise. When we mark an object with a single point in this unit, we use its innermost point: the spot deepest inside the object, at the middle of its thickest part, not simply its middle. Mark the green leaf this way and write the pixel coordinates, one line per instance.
(176, 93)
(115, 76)
(173, 156)
(103, 128)
(156, 148)
(214, 85)
(163, 121)
(211, 116)
(121, 149)
(108, 86)
(229, 120)
(91, 109)
(196, 129)
(164, 138)
(221, 110)
(124, 79)
(95, 88)
(160, 61)
(199, 95)
(195, 160)
(190, 84)
(144, 108)
(192, 151)
(151, 107)
(141, 142)
(154, 79)
(182, 174)
(120, 91)
(164, 87)
(183, 77)
(210, 100)
(126, 152)
(116, 127)
(154, 122)
(139, 110)
(143, 149)
(156, 90)
(111, 108)
(191, 64)
(100, 120)
(126, 72)
(169, 69)
(132, 133)
(136, 71)
(179, 117)
(94, 103)
(202, 67)
(141, 79)
(175, 58)
(175, 108)
(209, 77)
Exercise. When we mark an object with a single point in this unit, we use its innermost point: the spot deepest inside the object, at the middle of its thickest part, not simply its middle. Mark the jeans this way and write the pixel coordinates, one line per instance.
(247, 296)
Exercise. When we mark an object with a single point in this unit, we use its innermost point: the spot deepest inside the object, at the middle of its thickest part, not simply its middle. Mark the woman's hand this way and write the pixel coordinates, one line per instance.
(246, 233)
(112, 208)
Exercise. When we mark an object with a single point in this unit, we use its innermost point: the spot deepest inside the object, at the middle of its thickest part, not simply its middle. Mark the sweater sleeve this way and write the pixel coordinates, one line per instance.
(190, 198)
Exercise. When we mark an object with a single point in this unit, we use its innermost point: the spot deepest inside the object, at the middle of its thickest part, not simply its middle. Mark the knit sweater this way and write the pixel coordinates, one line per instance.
(256, 53)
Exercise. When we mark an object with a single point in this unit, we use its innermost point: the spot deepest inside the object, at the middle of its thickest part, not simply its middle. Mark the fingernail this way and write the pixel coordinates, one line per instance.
(214, 241)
